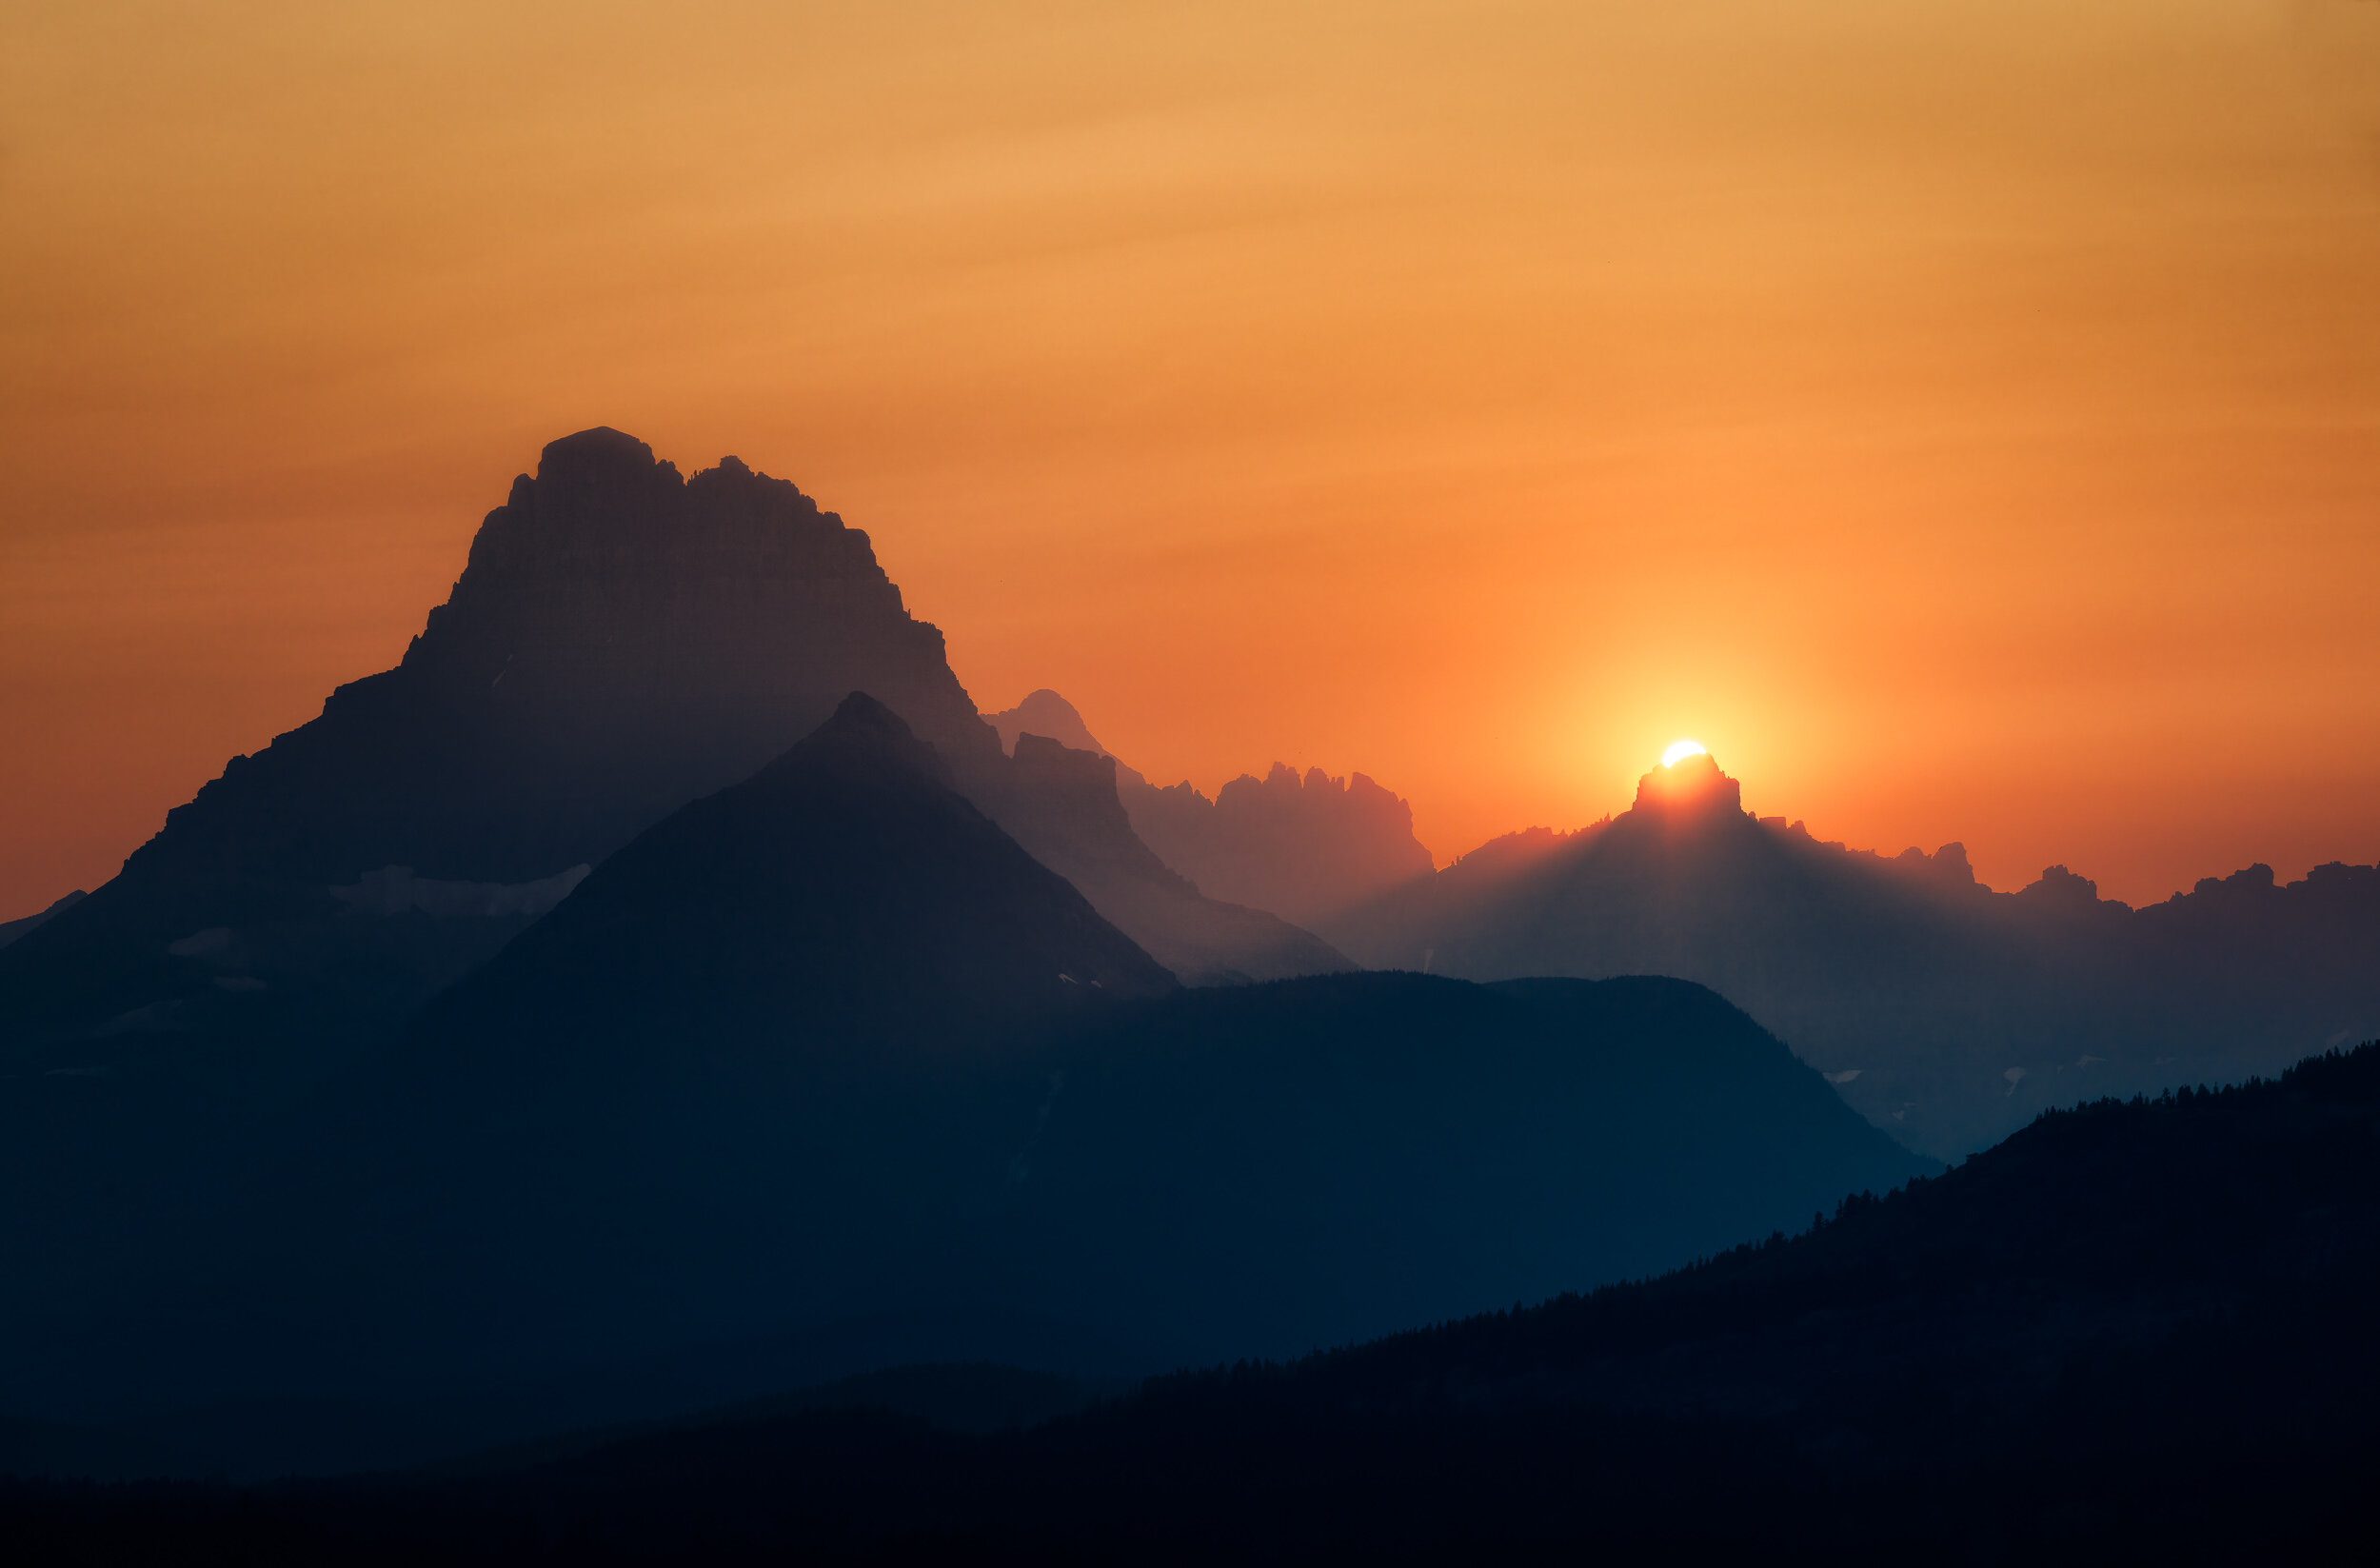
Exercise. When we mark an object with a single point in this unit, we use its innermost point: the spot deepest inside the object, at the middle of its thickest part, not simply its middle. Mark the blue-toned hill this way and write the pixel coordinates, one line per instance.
(829, 1046)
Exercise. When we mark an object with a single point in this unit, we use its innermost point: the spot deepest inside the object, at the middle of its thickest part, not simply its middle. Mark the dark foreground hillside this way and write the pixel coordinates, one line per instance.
(2133, 1332)
(828, 1050)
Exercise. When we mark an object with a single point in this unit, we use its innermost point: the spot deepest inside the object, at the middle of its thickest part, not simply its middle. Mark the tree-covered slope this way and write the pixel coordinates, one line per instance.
(2134, 1332)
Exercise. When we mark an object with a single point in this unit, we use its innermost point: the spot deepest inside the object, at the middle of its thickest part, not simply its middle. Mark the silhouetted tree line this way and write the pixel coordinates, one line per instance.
(2134, 1331)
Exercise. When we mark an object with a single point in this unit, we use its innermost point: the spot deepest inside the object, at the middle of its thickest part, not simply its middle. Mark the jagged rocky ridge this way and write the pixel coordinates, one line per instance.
(1307, 847)
(1946, 1012)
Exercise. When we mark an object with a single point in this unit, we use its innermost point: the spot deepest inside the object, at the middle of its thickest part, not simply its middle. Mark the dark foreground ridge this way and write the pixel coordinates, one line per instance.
(2134, 1332)
(829, 1046)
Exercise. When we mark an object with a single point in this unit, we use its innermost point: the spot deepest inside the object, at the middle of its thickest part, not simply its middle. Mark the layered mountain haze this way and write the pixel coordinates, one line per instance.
(1066, 806)
(1945, 1011)
(1081, 810)
(1306, 847)
(845, 887)
(828, 1046)
(700, 1095)
(622, 640)
(616, 1009)
(1309, 847)
(663, 988)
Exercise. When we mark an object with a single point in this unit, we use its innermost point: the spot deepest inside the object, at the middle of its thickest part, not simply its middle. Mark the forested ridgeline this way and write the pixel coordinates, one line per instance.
(2133, 1330)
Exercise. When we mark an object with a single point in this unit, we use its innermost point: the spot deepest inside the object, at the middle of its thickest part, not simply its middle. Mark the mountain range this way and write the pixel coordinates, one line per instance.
(661, 1060)
(603, 989)
(1308, 847)
(829, 1045)
(1946, 1012)
(622, 640)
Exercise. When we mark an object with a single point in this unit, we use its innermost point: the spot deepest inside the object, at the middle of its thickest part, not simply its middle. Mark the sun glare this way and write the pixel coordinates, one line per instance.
(1679, 751)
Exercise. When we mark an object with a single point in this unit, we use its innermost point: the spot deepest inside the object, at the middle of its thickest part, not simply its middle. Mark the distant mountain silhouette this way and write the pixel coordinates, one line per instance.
(1306, 848)
(829, 1043)
(1064, 805)
(1946, 1012)
(2131, 1333)
(1071, 802)
(1047, 714)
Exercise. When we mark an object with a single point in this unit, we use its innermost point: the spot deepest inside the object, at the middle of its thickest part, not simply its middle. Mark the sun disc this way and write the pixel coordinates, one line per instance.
(1679, 751)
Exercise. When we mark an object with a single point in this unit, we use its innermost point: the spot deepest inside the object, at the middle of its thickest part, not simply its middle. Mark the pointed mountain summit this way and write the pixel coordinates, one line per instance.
(1046, 713)
(844, 889)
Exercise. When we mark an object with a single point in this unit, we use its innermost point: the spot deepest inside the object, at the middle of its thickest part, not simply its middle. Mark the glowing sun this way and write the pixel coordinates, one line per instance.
(1679, 751)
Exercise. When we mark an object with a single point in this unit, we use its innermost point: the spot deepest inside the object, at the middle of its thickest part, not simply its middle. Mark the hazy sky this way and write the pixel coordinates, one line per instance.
(1961, 415)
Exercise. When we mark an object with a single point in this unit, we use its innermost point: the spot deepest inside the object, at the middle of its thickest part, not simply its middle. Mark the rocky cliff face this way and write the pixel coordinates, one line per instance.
(620, 641)
(1306, 847)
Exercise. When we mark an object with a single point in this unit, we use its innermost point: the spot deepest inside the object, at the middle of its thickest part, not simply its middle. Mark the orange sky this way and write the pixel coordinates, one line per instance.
(1962, 415)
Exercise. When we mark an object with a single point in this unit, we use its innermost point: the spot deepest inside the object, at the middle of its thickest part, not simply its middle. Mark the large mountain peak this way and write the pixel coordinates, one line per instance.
(620, 641)
(608, 580)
